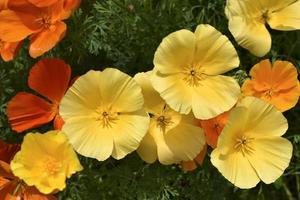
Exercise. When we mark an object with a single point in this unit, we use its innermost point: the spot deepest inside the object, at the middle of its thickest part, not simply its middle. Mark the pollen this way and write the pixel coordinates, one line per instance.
(51, 166)
(243, 144)
(193, 76)
(107, 117)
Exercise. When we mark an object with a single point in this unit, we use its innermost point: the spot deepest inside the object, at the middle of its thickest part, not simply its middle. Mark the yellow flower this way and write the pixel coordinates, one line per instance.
(104, 115)
(187, 72)
(248, 20)
(250, 147)
(45, 161)
(275, 83)
(172, 137)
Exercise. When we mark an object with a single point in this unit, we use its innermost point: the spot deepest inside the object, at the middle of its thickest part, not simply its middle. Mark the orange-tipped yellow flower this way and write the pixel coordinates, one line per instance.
(45, 161)
(104, 115)
(276, 83)
(188, 68)
(172, 137)
(250, 147)
(248, 20)
(191, 165)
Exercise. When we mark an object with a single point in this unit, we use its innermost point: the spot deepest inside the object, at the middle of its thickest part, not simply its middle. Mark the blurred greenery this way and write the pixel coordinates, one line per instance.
(125, 34)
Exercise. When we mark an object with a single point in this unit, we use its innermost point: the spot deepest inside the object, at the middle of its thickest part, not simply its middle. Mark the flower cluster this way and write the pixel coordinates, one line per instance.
(171, 114)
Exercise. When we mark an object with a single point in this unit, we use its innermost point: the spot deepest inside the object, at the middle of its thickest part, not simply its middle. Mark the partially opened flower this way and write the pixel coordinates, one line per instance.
(187, 72)
(11, 187)
(248, 20)
(213, 128)
(172, 137)
(50, 78)
(45, 161)
(191, 165)
(275, 83)
(45, 25)
(250, 148)
(104, 115)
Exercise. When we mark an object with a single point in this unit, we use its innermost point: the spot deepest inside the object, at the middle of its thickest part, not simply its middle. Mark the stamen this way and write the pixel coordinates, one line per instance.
(164, 119)
(107, 117)
(269, 93)
(45, 21)
(51, 166)
(243, 145)
(193, 76)
(265, 17)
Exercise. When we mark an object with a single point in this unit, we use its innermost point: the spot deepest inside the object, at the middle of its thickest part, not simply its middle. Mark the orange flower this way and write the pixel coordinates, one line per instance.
(11, 187)
(192, 164)
(275, 83)
(9, 50)
(45, 25)
(68, 4)
(50, 78)
(213, 128)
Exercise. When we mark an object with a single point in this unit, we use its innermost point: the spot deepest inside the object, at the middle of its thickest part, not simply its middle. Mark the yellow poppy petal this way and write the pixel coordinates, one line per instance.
(214, 96)
(286, 19)
(264, 119)
(76, 102)
(251, 35)
(175, 52)
(186, 141)
(235, 168)
(173, 89)
(148, 149)
(129, 132)
(89, 138)
(153, 102)
(214, 51)
(126, 93)
(271, 157)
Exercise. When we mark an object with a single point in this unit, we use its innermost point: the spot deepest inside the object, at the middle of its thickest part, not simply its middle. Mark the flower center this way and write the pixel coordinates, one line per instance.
(193, 76)
(264, 18)
(269, 93)
(107, 117)
(163, 122)
(243, 144)
(45, 21)
(52, 166)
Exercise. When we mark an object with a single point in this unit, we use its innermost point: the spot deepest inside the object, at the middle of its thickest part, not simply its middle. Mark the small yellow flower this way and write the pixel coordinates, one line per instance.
(187, 72)
(248, 20)
(250, 147)
(45, 161)
(104, 115)
(172, 137)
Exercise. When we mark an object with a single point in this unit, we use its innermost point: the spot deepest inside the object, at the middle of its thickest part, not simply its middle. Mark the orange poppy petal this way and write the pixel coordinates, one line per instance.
(188, 166)
(58, 122)
(213, 128)
(26, 111)
(8, 151)
(286, 100)
(31, 193)
(42, 3)
(262, 74)
(5, 170)
(3, 182)
(50, 78)
(71, 4)
(3, 4)
(285, 75)
(201, 156)
(45, 40)
(7, 191)
(16, 26)
(10, 50)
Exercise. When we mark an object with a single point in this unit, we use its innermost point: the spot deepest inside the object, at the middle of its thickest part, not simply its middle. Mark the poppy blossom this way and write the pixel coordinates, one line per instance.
(275, 83)
(54, 161)
(188, 68)
(250, 148)
(45, 25)
(213, 128)
(49, 78)
(11, 187)
(192, 164)
(9, 50)
(172, 137)
(68, 4)
(248, 20)
(104, 115)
